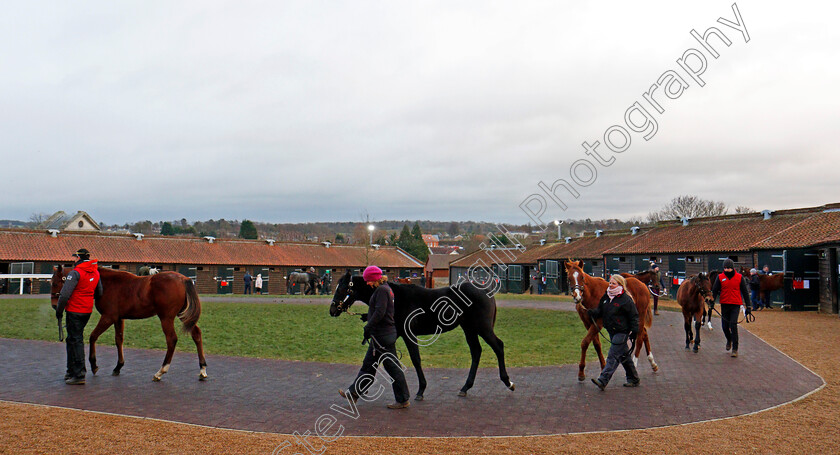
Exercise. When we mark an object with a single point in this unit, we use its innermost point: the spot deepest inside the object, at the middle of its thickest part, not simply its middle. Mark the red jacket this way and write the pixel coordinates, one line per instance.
(730, 289)
(81, 301)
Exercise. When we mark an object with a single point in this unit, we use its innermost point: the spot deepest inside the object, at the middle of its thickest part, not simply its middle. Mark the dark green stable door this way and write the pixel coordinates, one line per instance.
(802, 280)
(224, 280)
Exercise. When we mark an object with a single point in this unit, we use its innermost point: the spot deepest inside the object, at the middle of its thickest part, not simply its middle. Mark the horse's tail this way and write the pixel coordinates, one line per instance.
(192, 307)
(649, 321)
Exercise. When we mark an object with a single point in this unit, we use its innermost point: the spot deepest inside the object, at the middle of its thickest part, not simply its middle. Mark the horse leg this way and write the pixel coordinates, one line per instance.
(199, 346)
(697, 325)
(653, 364)
(168, 326)
(687, 327)
(498, 347)
(475, 354)
(591, 334)
(119, 329)
(101, 326)
(414, 353)
(709, 315)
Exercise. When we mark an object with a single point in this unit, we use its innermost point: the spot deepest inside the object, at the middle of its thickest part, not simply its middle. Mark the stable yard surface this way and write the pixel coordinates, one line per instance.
(806, 426)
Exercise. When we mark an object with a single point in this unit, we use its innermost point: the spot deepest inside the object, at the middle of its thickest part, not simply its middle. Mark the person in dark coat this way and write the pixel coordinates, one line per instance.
(732, 289)
(81, 288)
(381, 334)
(755, 290)
(621, 319)
(247, 278)
(656, 286)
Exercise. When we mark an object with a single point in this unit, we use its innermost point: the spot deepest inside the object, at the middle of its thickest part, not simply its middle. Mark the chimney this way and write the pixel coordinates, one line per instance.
(634, 230)
(138, 236)
(53, 232)
(209, 238)
(326, 244)
(542, 242)
(568, 240)
(767, 214)
(598, 232)
(685, 220)
(375, 246)
(270, 242)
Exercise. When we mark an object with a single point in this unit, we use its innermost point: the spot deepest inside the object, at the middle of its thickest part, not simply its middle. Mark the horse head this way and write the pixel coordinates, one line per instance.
(348, 291)
(57, 282)
(574, 272)
(704, 287)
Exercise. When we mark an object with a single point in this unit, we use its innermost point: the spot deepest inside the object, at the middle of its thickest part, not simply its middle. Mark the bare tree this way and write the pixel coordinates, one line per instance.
(743, 209)
(688, 206)
(37, 218)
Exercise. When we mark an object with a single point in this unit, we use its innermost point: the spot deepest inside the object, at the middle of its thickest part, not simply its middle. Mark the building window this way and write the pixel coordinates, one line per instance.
(551, 269)
(81, 224)
(515, 272)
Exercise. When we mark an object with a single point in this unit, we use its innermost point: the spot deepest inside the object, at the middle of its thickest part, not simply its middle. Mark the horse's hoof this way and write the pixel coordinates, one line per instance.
(512, 387)
(462, 394)
(687, 347)
(696, 349)
(655, 367)
(418, 398)
(202, 377)
(156, 378)
(115, 373)
(581, 378)
(94, 370)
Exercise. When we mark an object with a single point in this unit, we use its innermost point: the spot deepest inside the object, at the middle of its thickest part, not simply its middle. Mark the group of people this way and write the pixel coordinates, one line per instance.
(258, 283)
(758, 301)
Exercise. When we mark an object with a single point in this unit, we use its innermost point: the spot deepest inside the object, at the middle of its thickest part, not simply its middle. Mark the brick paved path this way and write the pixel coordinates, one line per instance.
(283, 397)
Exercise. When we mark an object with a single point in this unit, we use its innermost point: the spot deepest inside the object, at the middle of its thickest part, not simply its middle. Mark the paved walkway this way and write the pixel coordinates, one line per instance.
(284, 397)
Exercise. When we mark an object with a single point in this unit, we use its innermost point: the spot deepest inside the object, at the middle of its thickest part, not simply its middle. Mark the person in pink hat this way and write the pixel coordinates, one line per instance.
(381, 332)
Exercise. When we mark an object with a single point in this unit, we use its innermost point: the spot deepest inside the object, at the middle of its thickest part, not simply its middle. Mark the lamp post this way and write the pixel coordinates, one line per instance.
(559, 229)
(370, 230)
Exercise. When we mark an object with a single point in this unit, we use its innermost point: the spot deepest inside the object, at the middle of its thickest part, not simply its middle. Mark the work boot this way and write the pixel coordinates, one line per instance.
(601, 385)
(402, 405)
(75, 381)
(347, 393)
(67, 376)
(728, 345)
(631, 384)
(734, 353)
(656, 313)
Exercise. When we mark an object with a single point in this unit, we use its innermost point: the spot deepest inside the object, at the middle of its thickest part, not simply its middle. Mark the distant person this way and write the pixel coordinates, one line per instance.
(765, 301)
(80, 289)
(313, 281)
(423, 281)
(27, 286)
(258, 283)
(326, 281)
(732, 289)
(755, 290)
(145, 270)
(656, 286)
(621, 319)
(540, 283)
(247, 278)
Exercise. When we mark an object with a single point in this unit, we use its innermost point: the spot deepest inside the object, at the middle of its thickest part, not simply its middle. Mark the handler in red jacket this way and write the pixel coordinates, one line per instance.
(80, 288)
(732, 289)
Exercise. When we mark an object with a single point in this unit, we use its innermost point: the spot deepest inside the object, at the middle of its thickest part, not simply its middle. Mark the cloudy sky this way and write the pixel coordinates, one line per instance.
(314, 111)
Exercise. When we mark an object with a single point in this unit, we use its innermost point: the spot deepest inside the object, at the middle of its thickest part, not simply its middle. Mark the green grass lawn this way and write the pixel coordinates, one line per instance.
(308, 333)
(549, 297)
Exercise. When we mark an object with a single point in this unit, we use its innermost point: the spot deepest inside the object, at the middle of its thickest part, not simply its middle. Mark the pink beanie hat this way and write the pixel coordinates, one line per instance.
(372, 273)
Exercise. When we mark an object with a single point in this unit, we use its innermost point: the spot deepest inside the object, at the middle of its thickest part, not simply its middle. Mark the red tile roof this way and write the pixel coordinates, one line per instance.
(17, 245)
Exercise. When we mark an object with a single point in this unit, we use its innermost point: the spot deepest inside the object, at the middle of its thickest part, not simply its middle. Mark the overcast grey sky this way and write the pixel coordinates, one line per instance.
(314, 111)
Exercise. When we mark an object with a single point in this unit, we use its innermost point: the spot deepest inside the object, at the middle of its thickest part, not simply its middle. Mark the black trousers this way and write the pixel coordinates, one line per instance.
(729, 323)
(377, 349)
(76, 323)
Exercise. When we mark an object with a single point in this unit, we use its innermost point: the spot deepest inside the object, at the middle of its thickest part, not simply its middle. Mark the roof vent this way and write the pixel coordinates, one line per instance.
(375, 246)
(568, 240)
(138, 236)
(53, 232)
(209, 238)
(634, 230)
(326, 244)
(270, 241)
(598, 232)
(542, 241)
(685, 220)
(492, 246)
(767, 214)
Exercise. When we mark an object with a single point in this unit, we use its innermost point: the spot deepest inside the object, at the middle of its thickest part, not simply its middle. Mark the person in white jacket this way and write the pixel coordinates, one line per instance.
(258, 284)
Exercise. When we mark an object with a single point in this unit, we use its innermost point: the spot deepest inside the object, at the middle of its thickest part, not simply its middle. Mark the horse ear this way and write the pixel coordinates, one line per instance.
(580, 264)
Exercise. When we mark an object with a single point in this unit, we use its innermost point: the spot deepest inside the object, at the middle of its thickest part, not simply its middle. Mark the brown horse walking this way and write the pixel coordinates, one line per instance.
(166, 295)
(587, 292)
(769, 283)
(693, 295)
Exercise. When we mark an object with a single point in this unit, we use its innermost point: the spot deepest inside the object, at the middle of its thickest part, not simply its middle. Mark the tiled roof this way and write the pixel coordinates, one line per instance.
(440, 261)
(17, 245)
(734, 233)
(815, 230)
(443, 249)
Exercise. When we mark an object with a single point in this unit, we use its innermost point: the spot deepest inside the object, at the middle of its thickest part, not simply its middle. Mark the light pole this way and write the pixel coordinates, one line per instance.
(559, 229)
(370, 229)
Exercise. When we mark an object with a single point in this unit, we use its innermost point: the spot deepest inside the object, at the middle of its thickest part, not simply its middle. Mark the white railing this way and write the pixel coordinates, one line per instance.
(23, 276)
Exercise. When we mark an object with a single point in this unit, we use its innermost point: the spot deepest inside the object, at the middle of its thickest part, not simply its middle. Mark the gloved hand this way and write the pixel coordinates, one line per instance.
(59, 313)
(364, 317)
(747, 310)
(366, 335)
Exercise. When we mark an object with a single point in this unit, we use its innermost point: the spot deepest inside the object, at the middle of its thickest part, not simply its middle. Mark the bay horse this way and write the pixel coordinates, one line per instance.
(587, 292)
(166, 295)
(694, 294)
(769, 283)
(422, 311)
(304, 279)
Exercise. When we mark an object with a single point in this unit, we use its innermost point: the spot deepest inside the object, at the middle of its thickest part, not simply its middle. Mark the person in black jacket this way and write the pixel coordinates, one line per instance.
(755, 288)
(732, 289)
(381, 334)
(621, 319)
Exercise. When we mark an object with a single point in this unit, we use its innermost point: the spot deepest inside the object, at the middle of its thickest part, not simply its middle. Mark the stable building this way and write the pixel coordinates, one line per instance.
(217, 266)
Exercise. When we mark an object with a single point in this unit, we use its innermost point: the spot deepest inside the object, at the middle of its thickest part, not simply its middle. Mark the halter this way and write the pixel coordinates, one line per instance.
(340, 306)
